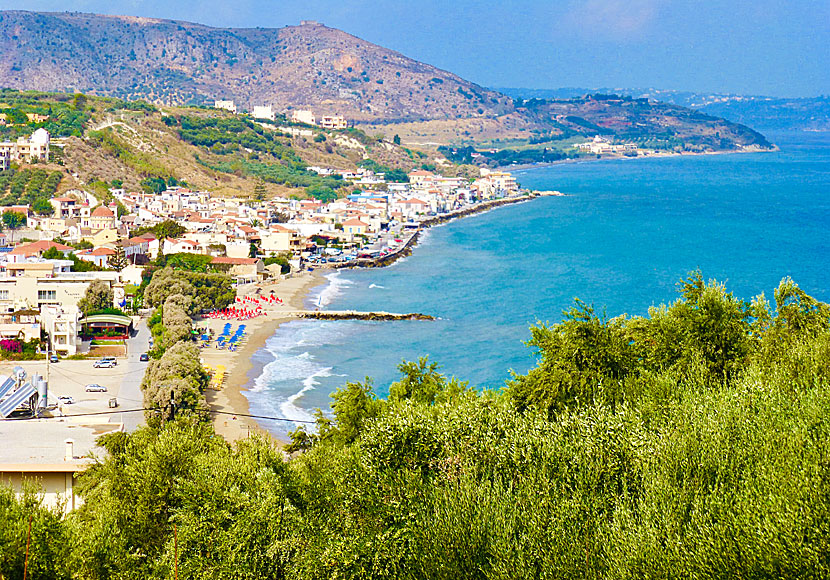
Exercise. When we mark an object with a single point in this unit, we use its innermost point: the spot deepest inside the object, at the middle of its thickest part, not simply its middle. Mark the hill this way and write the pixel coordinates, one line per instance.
(313, 66)
(177, 63)
(762, 112)
(97, 140)
(560, 122)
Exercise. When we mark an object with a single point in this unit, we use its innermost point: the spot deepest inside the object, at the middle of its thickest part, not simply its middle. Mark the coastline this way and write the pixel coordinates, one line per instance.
(656, 155)
(241, 366)
(230, 400)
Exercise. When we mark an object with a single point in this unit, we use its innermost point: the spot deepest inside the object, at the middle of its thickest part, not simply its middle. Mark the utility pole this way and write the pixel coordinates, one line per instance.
(176, 552)
(48, 355)
(28, 538)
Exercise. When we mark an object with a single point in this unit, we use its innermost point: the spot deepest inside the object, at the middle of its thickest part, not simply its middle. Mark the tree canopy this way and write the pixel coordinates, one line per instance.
(98, 296)
(689, 443)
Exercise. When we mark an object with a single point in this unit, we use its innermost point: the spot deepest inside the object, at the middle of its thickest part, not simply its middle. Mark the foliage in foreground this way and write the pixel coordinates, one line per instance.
(689, 443)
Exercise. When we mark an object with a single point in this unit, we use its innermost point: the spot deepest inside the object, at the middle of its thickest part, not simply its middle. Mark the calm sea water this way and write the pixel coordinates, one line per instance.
(625, 234)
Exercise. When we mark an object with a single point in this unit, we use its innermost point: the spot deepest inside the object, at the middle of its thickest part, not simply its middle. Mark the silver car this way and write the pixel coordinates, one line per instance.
(95, 388)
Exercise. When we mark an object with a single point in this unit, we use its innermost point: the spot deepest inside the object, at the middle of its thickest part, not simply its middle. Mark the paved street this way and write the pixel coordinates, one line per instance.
(129, 395)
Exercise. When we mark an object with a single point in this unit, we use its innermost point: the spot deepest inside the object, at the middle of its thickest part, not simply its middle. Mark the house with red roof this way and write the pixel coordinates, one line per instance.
(172, 246)
(35, 250)
(98, 256)
(355, 227)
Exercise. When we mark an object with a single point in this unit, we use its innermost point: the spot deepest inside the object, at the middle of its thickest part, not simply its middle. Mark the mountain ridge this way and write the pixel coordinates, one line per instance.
(312, 66)
(176, 62)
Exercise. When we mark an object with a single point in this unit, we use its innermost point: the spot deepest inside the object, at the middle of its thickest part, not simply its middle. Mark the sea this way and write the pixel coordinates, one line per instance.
(621, 238)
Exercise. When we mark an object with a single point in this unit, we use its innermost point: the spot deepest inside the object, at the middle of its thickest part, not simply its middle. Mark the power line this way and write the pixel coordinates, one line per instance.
(264, 417)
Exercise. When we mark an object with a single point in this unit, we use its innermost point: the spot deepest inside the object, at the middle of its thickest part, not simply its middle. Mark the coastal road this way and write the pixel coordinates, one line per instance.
(132, 370)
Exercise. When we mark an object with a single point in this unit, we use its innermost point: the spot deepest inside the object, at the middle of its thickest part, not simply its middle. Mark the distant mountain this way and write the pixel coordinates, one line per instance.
(171, 62)
(763, 113)
(312, 66)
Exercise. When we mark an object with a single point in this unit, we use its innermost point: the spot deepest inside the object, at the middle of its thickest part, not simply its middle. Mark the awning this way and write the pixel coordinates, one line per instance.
(108, 319)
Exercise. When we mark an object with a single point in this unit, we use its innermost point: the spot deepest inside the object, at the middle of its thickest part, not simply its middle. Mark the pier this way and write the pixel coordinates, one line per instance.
(354, 315)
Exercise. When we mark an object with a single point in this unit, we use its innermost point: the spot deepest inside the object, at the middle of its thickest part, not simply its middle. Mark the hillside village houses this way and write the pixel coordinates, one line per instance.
(600, 145)
(306, 117)
(35, 147)
(38, 293)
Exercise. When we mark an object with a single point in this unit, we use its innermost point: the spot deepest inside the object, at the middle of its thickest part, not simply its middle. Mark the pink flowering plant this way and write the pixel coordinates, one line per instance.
(10, 345)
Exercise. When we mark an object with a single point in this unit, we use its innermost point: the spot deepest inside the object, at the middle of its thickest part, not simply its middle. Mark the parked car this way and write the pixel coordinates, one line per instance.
(66, 400)
(144, 357)
(53, 358)
(95, 388)
(103, 364)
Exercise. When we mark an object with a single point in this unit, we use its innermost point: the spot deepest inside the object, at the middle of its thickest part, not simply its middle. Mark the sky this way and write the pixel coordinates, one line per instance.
(755, 47)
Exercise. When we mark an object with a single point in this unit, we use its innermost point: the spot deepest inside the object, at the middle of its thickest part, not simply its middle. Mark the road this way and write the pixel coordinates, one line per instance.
(129, 395)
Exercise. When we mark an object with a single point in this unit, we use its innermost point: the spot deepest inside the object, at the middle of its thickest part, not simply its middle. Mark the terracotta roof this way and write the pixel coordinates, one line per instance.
(102, 211)
(234, 261)
(102, 252)
(38, 247)
(64, 199)
(414, 201)
(137, 240)
(354, 223)
(421, 173)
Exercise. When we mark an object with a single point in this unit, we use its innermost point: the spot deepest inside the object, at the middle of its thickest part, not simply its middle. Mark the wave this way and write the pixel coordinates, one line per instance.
(293, 372)
(377, 286)
(329, 292)
(289, 407)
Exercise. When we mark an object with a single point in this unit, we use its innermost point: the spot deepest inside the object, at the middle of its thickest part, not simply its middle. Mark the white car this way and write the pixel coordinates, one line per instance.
(95, 388)
(105, 363)
(66, 400)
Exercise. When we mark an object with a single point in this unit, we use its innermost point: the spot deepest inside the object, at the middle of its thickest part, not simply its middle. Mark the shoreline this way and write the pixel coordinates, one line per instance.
(241, 366)
(664, 155)
(230, 400)
(407, 248)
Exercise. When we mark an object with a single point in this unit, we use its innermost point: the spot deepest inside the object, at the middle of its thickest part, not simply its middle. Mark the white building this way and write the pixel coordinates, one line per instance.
(600, 145)
(333, 122)
(301, 116)
(264, 112)
(61, 323)
(227, 105)
(35, 147)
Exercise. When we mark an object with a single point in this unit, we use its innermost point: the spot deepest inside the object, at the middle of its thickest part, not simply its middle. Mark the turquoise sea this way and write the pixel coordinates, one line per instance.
(623, 236)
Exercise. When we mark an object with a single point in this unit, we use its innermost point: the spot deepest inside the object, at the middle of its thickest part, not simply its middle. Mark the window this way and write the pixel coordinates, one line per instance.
(4, 294)
(47, 295)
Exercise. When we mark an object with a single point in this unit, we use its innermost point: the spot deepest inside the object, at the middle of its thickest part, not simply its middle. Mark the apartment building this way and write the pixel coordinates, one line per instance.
(33, 285)
(62, 324)
(333, 122)
(26, 149)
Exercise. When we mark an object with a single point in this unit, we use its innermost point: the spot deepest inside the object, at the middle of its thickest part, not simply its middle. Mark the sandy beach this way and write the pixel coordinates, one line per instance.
(230, 398)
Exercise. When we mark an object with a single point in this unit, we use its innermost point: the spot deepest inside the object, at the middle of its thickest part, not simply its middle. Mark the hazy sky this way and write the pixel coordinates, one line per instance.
(772, 47)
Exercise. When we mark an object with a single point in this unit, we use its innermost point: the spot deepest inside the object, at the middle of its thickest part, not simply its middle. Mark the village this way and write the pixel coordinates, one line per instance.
(239, 234)
(82, 366)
